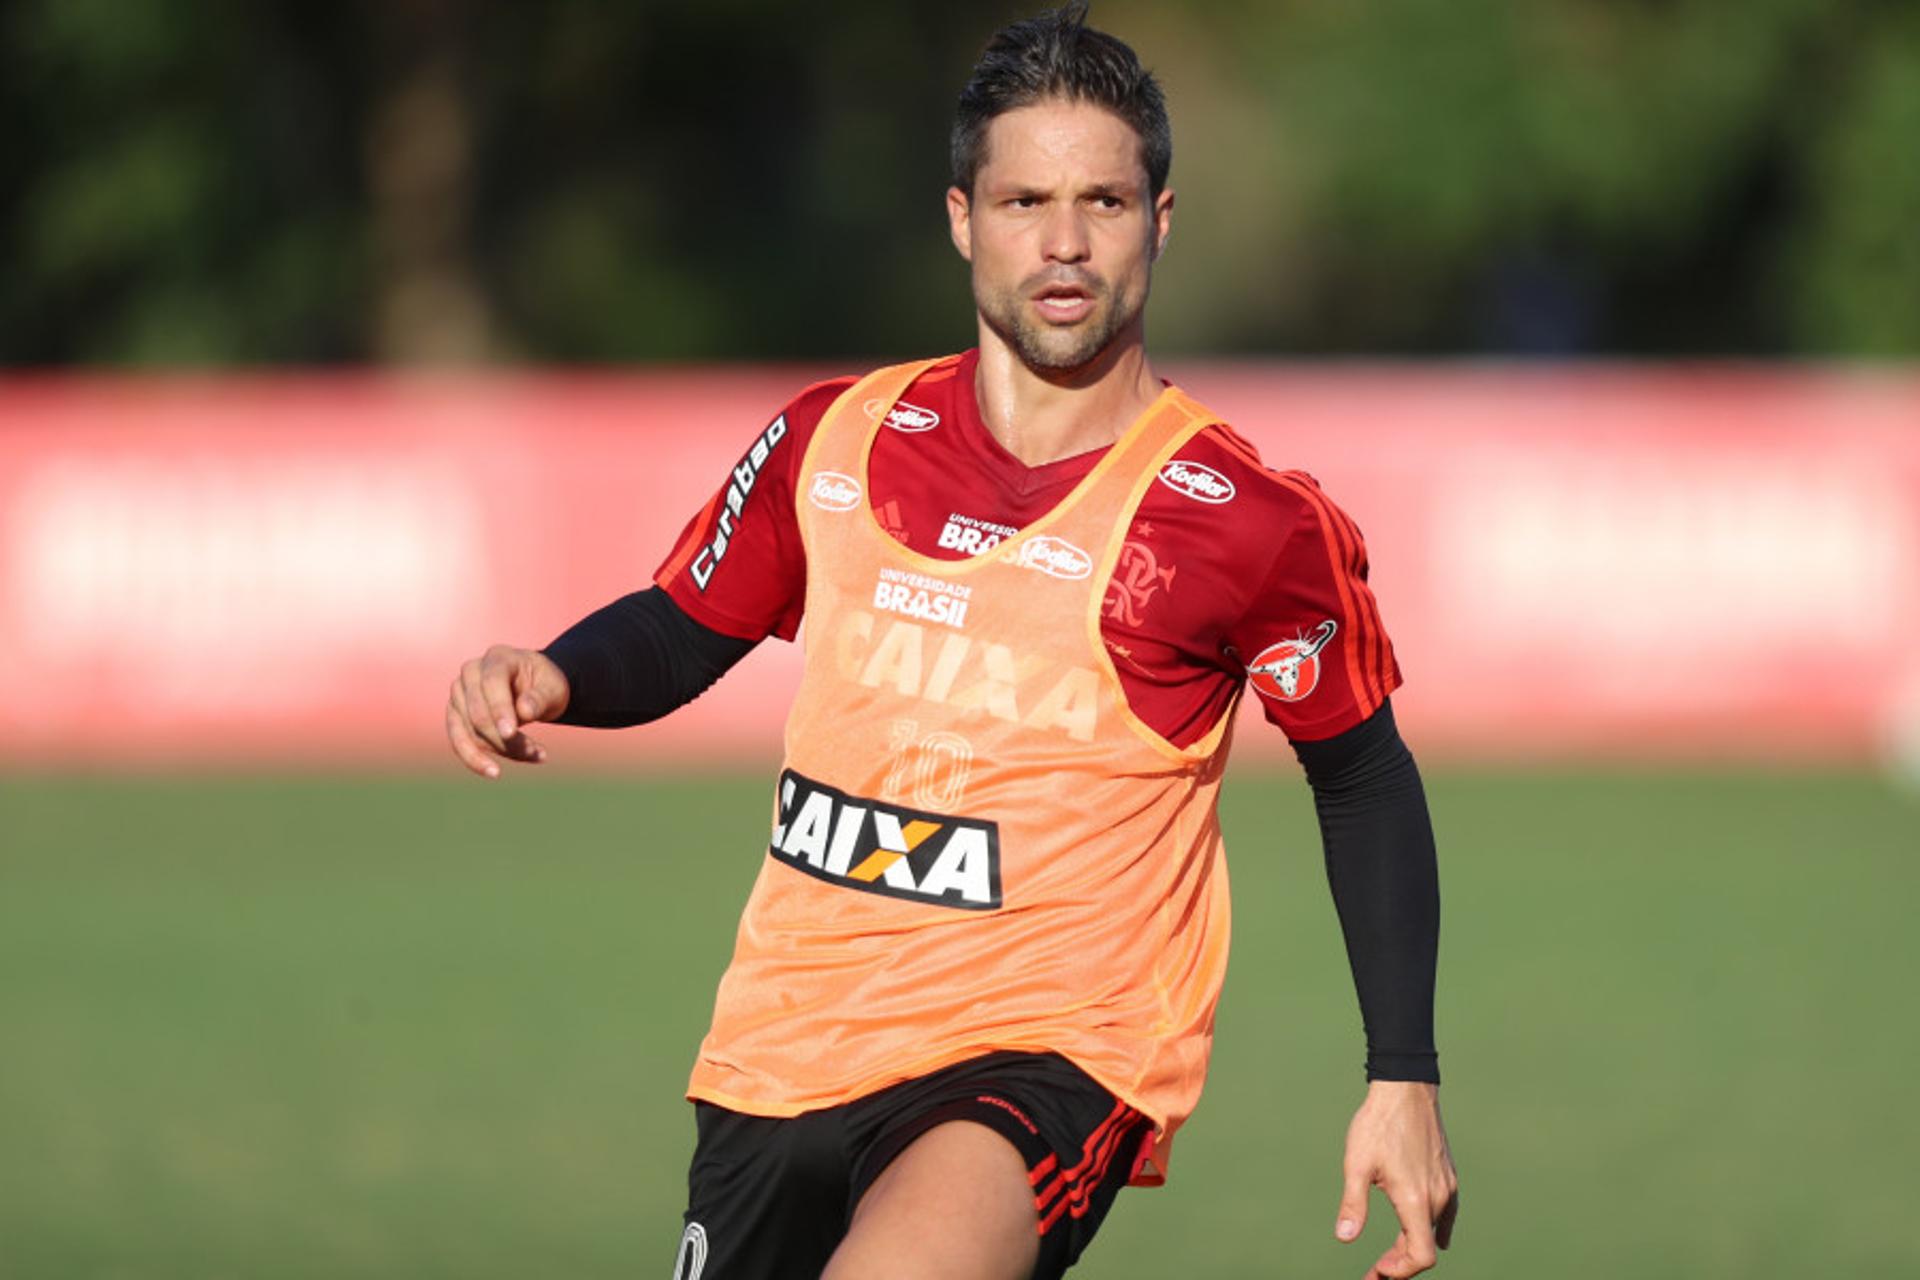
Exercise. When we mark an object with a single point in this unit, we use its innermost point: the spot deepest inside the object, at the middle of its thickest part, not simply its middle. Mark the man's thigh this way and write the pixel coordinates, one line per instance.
(1066, 1146)
(957, 1201)
(1007, 1137)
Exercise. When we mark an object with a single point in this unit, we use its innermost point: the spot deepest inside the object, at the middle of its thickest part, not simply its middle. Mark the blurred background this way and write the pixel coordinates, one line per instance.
(339, 341)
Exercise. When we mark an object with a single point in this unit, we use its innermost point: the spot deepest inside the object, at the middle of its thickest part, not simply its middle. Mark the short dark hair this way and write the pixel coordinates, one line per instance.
(1057, 55)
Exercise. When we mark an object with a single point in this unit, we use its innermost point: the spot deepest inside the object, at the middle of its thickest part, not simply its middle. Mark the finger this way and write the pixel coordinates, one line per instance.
(496, 686)
(1416, 1230)
(1398, 1262)
(479, 718)
(1388, 1265)
(524, 749)
(1352, 1216)
(1443, 1229)
(471, 727)
(464, 745)
(457, 701)
(516, 746)
(540, 688)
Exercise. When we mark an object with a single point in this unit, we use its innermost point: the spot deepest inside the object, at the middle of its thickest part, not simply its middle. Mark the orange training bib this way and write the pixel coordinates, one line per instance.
(976, 844)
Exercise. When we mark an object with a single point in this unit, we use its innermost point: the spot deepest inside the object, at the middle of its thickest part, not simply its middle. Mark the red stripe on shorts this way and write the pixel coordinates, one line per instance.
(1071, 1191)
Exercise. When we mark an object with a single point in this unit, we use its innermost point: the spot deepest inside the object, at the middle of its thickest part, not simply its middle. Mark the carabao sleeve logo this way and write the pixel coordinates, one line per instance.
(1290, 670)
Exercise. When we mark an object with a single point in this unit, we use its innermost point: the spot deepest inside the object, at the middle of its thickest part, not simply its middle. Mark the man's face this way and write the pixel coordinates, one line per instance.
(1061, 231)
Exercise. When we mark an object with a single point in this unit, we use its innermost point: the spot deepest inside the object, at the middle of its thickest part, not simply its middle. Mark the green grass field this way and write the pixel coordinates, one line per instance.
(424, 1028)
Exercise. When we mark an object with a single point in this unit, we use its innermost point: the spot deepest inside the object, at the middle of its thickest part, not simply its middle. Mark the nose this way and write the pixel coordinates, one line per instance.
(1064, 235)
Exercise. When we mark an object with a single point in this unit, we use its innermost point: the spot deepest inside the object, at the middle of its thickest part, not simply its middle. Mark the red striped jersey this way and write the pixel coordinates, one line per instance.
(1230, 571)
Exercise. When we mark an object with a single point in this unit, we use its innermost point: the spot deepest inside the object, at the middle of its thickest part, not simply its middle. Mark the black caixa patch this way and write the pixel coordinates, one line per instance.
(937, 858)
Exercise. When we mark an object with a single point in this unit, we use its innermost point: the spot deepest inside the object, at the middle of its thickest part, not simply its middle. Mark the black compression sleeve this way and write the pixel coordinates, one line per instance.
(637, 659)
(1386, 886)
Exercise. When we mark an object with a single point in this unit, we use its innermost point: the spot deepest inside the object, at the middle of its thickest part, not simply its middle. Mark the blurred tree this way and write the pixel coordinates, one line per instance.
(208, 181)
(429, 306)
(180, 183)
(723, 180)
(1642, 177)
(1851, 261)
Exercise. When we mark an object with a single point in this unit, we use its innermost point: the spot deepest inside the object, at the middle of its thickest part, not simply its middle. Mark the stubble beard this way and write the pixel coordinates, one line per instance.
(1057, 349)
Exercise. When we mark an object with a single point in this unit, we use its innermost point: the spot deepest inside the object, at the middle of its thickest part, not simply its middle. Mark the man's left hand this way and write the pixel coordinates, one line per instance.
(1397, 1143)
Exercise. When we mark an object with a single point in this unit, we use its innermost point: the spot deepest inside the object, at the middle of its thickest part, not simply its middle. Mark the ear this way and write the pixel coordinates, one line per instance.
(960, 221)
(1162, 221)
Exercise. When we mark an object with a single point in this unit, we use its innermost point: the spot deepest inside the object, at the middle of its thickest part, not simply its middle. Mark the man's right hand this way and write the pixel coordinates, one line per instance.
(492, 697)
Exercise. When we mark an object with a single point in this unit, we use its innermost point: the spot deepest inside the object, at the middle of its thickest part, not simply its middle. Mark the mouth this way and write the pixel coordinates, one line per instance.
(1063, 304)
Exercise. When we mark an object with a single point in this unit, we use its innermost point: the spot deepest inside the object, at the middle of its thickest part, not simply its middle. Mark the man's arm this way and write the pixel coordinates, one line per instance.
(637, 659)
(1383, 872)
(1385, 879)
(631, 662)
(648, 653)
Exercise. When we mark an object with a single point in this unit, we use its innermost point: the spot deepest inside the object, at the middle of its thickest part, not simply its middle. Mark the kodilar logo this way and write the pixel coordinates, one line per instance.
(834, 491)
(1290, 670)
(935, 858)
(1053, 556)
(1201, 483)
(902, 416)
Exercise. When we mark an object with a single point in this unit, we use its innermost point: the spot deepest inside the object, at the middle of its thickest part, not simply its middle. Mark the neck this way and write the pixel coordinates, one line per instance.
(1042, 416)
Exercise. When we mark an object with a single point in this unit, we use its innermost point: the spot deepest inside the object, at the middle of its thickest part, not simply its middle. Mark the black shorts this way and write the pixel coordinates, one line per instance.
(770, 1199)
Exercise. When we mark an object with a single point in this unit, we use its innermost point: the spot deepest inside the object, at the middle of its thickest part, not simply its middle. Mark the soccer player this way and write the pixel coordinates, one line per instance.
(972, 993)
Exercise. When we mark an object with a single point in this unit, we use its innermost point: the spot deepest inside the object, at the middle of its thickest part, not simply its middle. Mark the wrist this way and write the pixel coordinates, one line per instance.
(1401, 1097)
(558, 682)
(1402, 1089)
(1423, 1067)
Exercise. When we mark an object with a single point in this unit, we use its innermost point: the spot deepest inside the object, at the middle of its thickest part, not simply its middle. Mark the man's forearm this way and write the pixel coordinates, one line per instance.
(637, 659)
(1385, 879)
